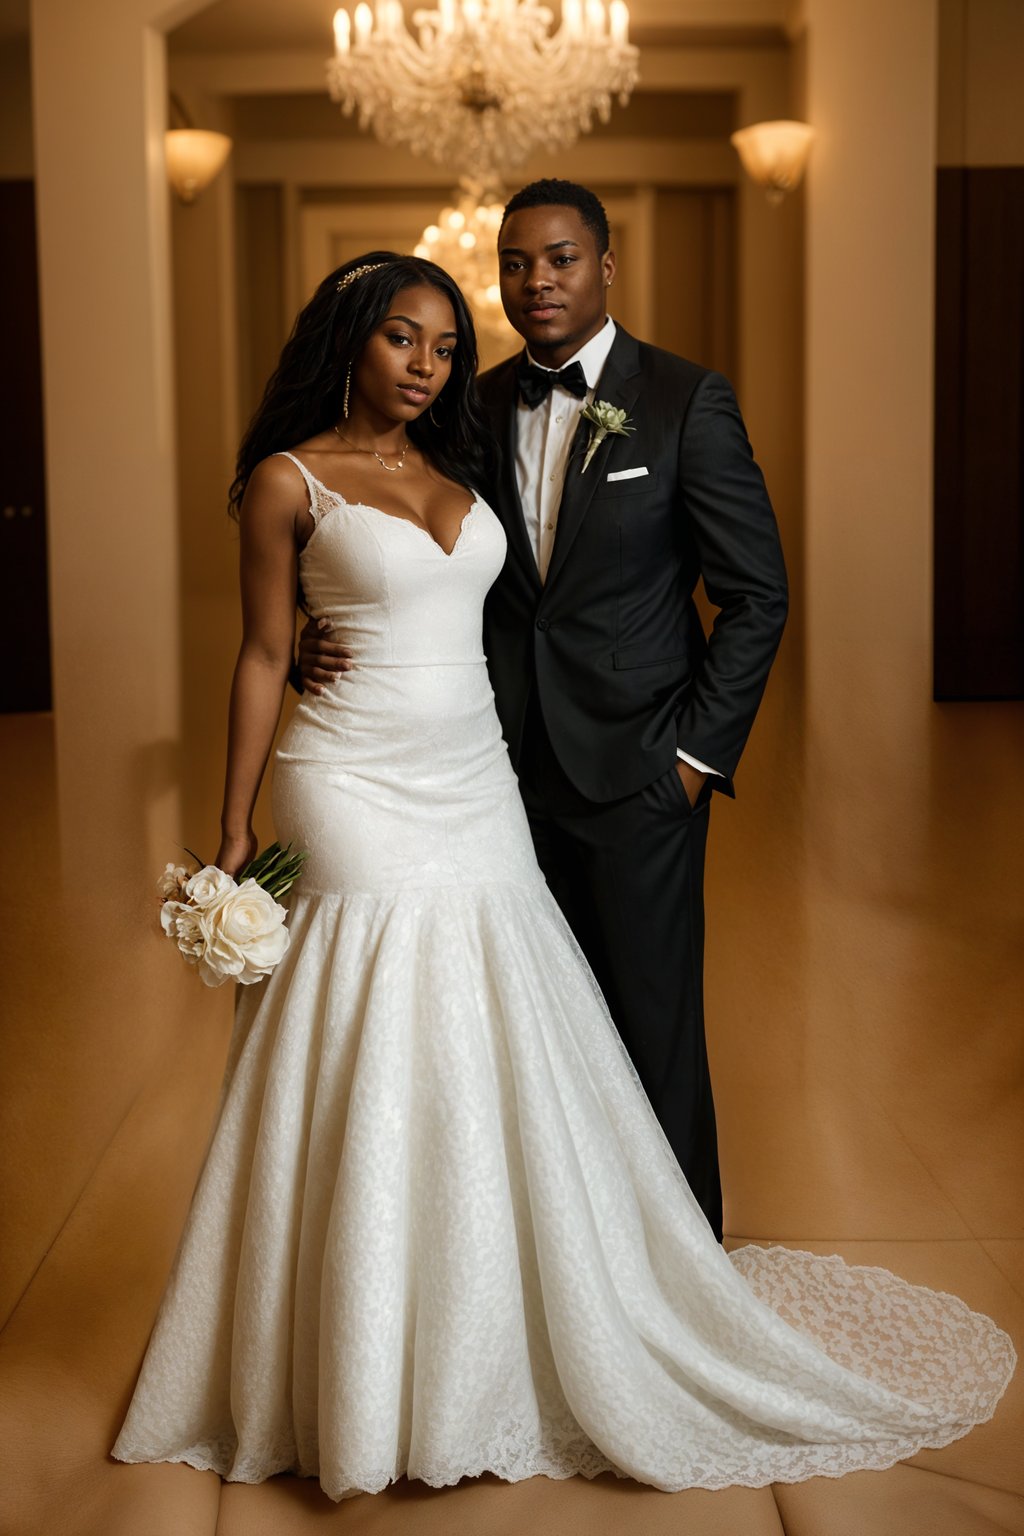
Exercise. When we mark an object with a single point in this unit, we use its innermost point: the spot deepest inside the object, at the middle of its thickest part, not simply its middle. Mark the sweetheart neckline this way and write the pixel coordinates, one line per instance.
(392, 517)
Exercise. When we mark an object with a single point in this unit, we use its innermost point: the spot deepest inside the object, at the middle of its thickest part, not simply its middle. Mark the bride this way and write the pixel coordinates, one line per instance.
(439, 1230)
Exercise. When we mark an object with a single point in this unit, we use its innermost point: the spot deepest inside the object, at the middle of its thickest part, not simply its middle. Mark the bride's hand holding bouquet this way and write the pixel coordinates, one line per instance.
(226, 918)
(236, 851)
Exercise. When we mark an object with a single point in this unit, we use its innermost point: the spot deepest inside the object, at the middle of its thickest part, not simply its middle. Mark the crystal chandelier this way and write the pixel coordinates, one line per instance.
(483, 83)
(464, 242)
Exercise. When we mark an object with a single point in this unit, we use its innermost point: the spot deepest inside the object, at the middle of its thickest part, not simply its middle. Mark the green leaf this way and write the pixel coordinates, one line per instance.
(261, 863)
(276, 869)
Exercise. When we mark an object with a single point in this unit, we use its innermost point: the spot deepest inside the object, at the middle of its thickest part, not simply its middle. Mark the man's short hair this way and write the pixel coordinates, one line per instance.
(552, 192)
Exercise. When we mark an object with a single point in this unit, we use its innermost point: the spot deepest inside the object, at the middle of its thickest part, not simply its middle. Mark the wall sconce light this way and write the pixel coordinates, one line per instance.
(194, 156)
(774, 154)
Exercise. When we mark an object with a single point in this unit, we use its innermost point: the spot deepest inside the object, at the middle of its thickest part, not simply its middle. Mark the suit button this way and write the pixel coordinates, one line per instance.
(543, 623)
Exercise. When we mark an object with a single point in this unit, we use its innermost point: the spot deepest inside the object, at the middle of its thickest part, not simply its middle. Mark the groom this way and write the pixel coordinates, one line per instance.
(620, 717)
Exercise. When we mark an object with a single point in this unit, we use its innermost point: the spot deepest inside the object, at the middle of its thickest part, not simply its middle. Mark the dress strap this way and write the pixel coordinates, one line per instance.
(318, 494)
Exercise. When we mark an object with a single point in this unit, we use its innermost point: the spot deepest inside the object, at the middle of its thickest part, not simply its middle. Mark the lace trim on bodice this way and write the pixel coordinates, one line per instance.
(321, 498)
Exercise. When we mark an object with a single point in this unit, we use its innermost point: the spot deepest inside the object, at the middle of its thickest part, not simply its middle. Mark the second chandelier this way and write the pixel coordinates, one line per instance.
(483, 83)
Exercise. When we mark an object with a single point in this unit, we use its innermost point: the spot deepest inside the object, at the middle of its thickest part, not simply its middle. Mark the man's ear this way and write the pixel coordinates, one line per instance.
(608, 267)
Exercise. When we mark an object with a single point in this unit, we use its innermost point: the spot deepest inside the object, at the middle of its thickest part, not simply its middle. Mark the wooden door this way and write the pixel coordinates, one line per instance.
(24, 614)
(979, 434)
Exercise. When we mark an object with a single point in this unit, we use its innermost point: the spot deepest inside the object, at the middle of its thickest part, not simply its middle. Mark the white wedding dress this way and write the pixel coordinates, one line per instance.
(438, 1230)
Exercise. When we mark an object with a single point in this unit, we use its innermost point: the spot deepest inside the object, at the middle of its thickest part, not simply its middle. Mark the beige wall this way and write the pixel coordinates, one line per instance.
(900, 792)
(870, 259)
(205, 348)
(104, 286)
(113, 1009)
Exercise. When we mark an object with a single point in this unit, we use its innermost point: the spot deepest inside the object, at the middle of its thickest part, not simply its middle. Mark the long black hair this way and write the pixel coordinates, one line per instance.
(304, 393)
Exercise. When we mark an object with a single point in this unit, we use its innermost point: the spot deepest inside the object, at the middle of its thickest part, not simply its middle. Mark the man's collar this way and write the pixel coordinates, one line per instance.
(591, 357)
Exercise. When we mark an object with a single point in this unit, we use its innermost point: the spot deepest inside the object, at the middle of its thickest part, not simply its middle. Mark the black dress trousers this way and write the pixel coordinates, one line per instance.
(629, 876)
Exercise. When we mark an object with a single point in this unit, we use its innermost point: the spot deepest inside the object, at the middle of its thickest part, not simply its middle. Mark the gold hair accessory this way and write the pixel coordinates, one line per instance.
(350, 277)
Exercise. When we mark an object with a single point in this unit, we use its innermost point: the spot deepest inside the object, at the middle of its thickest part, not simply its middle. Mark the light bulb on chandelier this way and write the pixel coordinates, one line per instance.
(464, 241)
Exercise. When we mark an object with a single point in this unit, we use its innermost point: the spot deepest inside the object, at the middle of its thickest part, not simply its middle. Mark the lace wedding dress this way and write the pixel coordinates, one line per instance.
(439, 1230)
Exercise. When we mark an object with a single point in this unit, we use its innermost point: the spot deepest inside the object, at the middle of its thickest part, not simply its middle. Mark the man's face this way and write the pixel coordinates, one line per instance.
(553, 281)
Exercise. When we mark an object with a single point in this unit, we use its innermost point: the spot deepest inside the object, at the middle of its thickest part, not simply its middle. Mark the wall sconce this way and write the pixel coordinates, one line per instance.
(194, 156)
(774, 154)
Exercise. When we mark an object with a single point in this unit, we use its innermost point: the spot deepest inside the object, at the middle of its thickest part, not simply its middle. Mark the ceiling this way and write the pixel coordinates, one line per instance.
(232, 26)
(654, 114)
(229, 26)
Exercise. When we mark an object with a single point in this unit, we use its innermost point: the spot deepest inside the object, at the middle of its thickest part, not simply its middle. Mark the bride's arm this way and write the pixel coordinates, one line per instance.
(269, 573)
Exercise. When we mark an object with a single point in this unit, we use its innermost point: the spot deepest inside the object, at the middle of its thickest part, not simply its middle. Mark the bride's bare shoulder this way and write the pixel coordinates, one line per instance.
(275, 489)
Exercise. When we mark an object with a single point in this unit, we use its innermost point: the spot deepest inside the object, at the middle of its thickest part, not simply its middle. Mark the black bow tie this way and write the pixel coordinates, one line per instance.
(535, 384)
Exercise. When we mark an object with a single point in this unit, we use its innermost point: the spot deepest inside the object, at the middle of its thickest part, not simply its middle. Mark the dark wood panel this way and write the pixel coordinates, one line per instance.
(262, 324)
(979, 434)
(695, 275)
(24, 616)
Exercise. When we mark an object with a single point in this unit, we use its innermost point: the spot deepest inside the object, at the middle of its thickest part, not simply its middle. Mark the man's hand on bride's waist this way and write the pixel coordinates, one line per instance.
(321, 659)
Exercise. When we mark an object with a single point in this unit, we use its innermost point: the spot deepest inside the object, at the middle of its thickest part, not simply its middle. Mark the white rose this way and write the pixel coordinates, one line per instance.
(173, 881)
(182, 924)
(244, 934)
(209, 886)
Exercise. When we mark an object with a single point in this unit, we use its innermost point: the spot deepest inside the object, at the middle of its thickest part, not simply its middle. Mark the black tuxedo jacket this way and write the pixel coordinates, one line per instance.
(612, 639)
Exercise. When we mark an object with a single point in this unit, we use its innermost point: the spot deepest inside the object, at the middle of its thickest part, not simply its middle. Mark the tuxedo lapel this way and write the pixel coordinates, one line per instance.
(619, 385)
(510, 507)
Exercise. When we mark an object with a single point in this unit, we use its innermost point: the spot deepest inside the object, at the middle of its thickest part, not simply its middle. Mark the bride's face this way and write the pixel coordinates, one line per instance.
(408, 359)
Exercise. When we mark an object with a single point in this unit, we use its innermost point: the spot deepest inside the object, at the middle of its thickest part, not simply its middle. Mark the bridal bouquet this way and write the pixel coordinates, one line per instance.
(231, 930)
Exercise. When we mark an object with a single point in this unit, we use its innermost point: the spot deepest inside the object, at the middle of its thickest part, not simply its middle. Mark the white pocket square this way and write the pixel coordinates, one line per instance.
(627, 474)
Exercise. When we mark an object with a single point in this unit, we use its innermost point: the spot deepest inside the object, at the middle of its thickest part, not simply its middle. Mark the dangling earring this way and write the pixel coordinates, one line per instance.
(433, 418)
(348, 386)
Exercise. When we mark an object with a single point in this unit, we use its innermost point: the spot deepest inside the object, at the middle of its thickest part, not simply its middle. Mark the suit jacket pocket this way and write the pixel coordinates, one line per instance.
(640, 485)
(644, 656)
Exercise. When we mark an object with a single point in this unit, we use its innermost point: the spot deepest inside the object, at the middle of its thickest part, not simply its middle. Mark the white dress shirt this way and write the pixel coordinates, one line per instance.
(543, 439)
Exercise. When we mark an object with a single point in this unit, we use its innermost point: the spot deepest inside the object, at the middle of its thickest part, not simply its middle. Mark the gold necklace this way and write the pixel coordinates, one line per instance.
(391, 468)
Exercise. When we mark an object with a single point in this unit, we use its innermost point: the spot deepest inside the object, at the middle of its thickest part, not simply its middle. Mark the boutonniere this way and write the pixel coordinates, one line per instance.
(606, 421)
